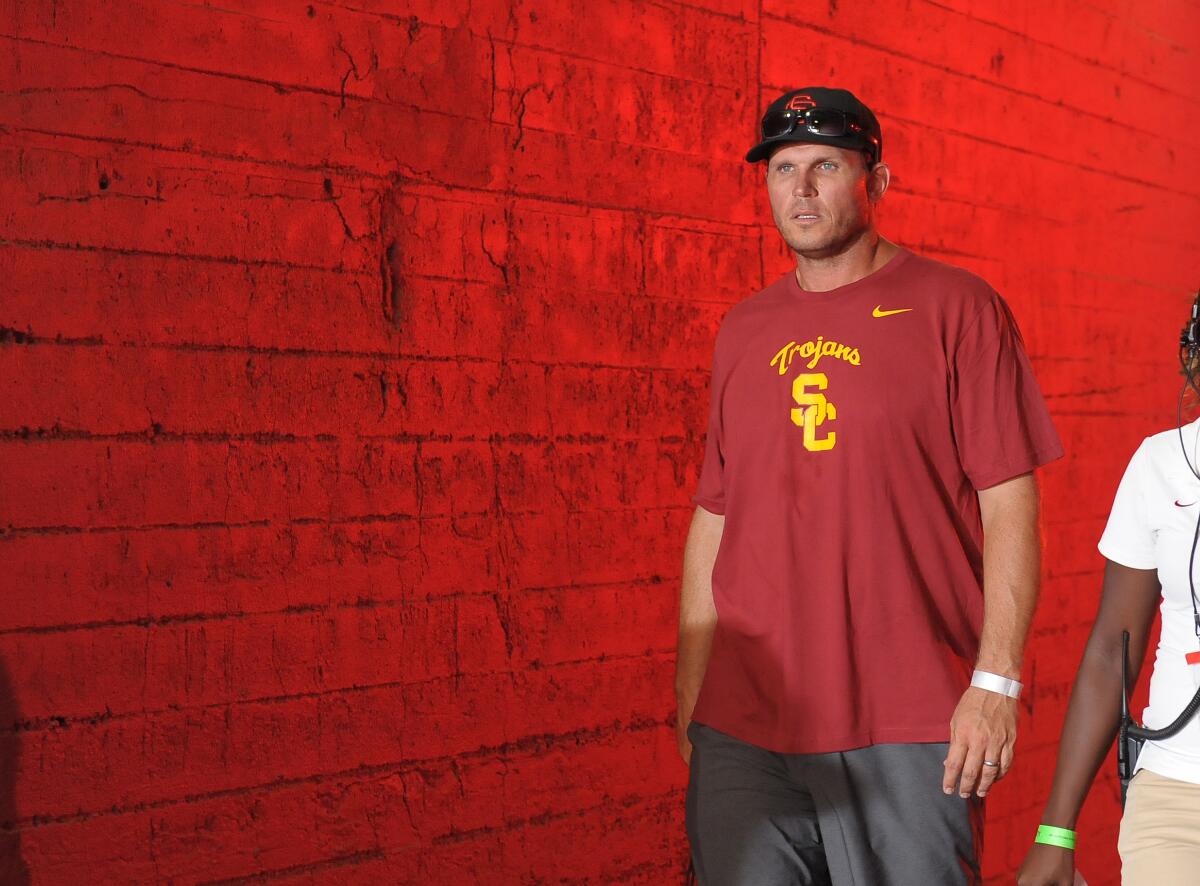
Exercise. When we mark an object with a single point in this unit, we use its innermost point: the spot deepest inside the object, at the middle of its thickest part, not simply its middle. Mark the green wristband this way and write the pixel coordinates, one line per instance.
(1052, 836)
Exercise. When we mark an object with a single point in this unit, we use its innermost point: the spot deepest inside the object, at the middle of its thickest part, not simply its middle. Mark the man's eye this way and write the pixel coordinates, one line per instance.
(827, 165)
(784, 167)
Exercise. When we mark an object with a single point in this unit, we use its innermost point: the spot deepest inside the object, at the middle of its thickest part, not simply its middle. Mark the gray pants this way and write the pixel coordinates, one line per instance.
(874, 816)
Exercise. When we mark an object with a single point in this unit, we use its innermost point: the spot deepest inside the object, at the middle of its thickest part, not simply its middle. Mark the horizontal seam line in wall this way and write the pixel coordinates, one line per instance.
(155, 435)
(923, 248)
(243, 78)
(64, 723)
(449, 193)
(327, 864)
(530, 744)
(211, 618)
(1099, 413)
(659, 800)
(158, 435)
(974, 78)
(331, 608)
(15, 531)
(636, 296)
(1059, 358)
(661, 4)
(666, 871)
(501, 193)
(34, 341)
(237, 13)
(963, 201)
(357, 519)
(347, 96)
(1082, 271)
(931, 249)
(216, 259)
(1058, 395)
(347, 171)
(703, 10)
(1067, 52)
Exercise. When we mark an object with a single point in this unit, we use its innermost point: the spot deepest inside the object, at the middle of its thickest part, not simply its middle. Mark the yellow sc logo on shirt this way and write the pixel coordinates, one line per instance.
(812, 410)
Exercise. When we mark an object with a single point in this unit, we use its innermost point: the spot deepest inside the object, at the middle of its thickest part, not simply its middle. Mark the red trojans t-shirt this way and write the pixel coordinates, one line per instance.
(849, 432)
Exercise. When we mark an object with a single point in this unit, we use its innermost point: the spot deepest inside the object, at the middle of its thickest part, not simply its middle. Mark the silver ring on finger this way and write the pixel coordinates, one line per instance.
(990, 763)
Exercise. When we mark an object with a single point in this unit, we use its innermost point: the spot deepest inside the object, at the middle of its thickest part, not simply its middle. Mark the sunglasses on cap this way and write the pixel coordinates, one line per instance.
(828, 122)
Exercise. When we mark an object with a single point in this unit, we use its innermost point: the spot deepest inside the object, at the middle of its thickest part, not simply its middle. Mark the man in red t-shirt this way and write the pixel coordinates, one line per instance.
(862, 566)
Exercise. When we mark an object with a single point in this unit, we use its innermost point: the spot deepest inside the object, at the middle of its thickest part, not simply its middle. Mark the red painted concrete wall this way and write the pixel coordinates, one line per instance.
(353, 373)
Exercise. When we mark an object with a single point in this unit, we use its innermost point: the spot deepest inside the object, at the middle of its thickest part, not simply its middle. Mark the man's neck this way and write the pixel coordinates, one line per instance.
(861, 258)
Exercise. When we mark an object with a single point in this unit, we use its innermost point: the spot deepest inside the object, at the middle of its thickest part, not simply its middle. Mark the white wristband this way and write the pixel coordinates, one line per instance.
(995, 683)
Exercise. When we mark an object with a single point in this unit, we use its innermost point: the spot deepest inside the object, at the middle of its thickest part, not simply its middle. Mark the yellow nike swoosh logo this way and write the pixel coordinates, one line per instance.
(880, 312)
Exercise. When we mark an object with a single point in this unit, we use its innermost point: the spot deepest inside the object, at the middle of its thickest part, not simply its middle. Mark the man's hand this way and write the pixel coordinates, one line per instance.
(685, 744)
(1049, 866)
(983, 728)
(697, 619)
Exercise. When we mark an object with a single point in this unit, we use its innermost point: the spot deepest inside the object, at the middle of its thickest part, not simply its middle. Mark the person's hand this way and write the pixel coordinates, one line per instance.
(983, 731)
(1049, 866)
(685, 744)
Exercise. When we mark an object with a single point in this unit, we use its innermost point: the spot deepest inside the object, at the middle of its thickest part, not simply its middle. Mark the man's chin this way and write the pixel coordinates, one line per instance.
(815, 246)
(819, 244)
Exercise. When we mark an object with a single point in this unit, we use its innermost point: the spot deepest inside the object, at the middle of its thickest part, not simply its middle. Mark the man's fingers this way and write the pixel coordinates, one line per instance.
(992, 769)
(684, 743)
(685, 751)
(972, 766)
(954, 764)
(1006, 758)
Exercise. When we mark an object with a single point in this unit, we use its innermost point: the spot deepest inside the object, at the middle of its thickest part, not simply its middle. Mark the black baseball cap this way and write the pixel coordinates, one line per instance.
(822, 116)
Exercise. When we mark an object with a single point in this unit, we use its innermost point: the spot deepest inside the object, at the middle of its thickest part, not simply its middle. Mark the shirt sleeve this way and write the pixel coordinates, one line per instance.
(1001, 425)
(1128, 538)
(710, 491)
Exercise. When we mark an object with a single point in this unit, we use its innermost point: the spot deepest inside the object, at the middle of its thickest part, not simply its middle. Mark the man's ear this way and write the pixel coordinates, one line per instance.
(878, 179)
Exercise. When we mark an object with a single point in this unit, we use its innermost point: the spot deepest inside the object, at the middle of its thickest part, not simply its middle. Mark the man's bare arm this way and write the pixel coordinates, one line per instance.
(984, 726)
(697, 618)
(1011, 563)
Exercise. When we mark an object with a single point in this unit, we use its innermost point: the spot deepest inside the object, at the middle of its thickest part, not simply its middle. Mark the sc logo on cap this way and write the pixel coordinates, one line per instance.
(801, 103)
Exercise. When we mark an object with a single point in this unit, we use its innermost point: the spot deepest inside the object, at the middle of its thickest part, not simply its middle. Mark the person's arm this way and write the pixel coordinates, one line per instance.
(697, 618)
(984, 725)
(1127, 603)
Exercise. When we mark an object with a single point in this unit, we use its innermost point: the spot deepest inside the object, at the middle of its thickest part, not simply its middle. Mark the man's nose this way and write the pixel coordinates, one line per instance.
(804, 186)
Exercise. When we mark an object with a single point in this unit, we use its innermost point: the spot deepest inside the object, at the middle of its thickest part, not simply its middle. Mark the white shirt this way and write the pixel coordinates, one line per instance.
(1152, 524)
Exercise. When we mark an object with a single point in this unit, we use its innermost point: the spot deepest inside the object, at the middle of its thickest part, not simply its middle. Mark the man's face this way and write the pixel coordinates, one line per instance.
(822, 196)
